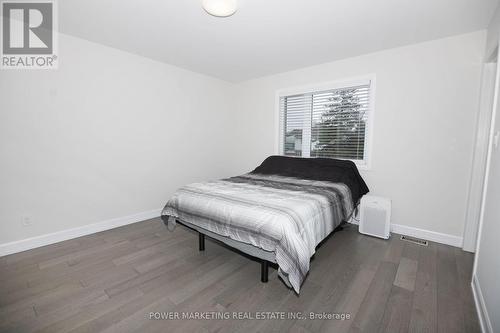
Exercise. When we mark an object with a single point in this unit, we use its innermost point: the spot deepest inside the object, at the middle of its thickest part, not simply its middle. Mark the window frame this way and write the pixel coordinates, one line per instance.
(318, 87)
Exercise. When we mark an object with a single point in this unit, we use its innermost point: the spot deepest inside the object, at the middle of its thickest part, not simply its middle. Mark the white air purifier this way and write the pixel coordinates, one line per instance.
(375, 216)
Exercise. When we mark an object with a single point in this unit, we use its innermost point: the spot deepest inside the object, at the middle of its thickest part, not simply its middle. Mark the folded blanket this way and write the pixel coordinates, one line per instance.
(326, 169)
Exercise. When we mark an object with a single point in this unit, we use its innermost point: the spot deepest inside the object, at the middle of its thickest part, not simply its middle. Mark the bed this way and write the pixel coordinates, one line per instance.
(278, 213)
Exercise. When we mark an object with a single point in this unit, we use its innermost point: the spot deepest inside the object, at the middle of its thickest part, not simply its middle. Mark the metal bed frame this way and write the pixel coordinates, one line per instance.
(264, 264)
(263, 256)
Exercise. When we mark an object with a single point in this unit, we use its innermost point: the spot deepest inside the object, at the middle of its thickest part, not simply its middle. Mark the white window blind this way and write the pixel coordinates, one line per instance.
(330, 123)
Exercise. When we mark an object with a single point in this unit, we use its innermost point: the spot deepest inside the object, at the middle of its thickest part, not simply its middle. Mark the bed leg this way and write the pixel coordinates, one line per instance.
(264, 270)
(201, 239)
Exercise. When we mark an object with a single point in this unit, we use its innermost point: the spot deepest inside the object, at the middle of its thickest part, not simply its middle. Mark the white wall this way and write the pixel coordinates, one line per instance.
(493, 34)
(487, 264)
(107, 135)
(478, 172)
(487, 271)
(427, 98)
(110, 134)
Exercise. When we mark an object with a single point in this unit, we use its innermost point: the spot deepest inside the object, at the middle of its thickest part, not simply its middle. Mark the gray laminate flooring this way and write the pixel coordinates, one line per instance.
(115, 280)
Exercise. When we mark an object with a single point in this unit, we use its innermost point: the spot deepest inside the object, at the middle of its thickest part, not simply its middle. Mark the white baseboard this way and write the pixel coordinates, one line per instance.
(424, 234)
(482, 312)
(38, 241)
(427, 235)
(47, 239)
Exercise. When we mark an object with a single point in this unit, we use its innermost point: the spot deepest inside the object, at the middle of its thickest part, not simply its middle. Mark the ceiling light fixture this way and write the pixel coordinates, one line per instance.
(220, 8)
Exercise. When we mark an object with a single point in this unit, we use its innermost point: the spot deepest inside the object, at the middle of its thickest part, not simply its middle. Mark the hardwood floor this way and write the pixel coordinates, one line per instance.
(114, 280)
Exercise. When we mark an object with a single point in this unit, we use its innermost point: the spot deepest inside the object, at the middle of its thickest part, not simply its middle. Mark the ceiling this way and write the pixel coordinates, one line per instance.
(267, 36)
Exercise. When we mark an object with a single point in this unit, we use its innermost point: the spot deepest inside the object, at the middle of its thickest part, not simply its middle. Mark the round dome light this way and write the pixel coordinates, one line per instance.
(220, 8)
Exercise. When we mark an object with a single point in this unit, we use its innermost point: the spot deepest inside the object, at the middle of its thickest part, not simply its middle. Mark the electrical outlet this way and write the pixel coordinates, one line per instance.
(27, 220)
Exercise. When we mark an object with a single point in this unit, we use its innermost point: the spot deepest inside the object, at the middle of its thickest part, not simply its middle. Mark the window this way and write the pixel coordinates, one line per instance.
(331, 121)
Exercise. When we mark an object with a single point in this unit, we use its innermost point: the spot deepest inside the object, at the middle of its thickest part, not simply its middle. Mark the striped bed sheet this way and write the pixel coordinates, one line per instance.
(287, 216)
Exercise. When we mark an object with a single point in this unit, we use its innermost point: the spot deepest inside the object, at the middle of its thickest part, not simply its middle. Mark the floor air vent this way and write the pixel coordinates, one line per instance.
(415, 240)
